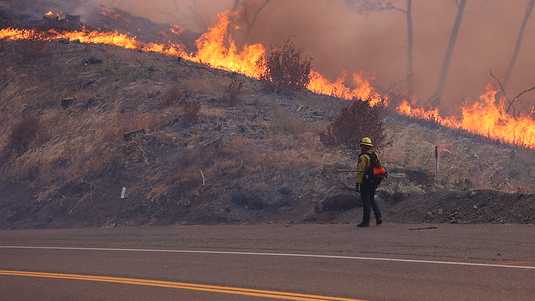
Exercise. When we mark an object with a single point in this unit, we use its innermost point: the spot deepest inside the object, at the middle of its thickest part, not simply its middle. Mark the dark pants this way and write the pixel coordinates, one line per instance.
(367, 195)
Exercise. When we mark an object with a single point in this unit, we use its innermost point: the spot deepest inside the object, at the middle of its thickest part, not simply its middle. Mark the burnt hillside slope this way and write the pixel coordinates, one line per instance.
(81, 122)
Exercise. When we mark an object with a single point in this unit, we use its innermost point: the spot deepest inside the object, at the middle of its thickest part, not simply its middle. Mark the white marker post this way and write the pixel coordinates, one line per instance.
(437, 159)
(123, 193)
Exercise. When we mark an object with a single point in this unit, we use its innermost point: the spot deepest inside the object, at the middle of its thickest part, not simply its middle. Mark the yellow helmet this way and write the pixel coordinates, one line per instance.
(366, 141)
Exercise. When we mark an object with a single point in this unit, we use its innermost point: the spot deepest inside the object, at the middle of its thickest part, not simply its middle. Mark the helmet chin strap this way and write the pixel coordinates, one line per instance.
(365, 148)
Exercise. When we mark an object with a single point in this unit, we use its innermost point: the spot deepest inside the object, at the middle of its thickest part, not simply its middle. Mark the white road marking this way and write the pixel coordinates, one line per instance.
(455, 263)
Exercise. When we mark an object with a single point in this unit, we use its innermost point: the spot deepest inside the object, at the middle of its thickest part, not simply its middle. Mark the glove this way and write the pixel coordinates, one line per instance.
(357, 187)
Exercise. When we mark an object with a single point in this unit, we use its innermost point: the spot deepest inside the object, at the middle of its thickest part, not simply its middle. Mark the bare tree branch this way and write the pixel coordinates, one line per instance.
(249, 13)
(510, 102)
(500, 85)
(199, 19)
(519, 42)
(366, 6)
(255, 17)
(517, 98)
(410, 49)
(236, 5)
(443, 75)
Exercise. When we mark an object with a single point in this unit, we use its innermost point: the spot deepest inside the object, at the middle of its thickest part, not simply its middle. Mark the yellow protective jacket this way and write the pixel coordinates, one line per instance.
(362, 167)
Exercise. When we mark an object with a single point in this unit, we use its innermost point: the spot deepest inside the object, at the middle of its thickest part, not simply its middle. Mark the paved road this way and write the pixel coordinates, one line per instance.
(304, 262)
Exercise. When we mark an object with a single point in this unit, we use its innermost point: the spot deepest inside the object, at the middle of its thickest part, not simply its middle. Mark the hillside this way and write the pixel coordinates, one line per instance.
(80, 122)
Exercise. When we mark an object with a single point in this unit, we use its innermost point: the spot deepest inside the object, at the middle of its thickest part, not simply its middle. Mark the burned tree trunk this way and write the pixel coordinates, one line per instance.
(435, 100)
(252, 23)
(197, 16)
(410, 47)
(518, 45)
(236, 5)
(248, 12)
(366, 6)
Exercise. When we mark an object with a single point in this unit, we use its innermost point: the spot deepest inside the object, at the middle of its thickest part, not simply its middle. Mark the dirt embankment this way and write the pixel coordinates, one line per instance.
(80, 123)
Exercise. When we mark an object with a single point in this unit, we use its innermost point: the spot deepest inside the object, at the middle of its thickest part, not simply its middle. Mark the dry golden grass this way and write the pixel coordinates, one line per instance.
(172, 96)
(232, 92)
(203, 86)
(284, 123)
(83, 145)
(213, 112)
(303, 152)
(79, 143)
(157, 191)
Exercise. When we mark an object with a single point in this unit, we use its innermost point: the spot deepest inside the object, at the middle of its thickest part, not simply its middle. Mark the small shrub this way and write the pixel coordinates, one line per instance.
(22, 135)
(174, 96)
(284, 123)
(286, 68)
(232, 92)
(148, 121)
(190, 112)
(358, 120)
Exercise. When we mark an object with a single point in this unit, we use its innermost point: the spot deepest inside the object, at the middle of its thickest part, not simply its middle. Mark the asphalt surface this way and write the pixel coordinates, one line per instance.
(390, 262)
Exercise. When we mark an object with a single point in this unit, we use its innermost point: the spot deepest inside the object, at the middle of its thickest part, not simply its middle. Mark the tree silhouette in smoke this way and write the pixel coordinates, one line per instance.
(367, 6)
(443, 77)
(519, 42)
(248, 13)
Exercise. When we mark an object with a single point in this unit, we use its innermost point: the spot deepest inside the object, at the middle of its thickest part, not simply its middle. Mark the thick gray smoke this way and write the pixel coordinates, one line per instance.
(196, 15)
(86, 9)
(339, 38)
(36, 8)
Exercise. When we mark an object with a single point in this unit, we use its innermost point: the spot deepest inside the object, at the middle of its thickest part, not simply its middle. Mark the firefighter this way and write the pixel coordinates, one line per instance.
(367, 182)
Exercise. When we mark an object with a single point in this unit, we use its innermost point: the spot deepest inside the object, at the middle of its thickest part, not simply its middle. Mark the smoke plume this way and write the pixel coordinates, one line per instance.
(341, 38)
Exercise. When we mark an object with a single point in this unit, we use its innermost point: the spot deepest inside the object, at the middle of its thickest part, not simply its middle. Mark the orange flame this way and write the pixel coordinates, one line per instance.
(176, 30)
(212, 49)
(363, 88)
(54, 16)
(217, 49)
(11, 34)
(484, 117)
(93, 37)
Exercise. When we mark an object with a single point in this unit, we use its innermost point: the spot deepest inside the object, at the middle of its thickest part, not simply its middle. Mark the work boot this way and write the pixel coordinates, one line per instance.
(363, 225)
(379, 221)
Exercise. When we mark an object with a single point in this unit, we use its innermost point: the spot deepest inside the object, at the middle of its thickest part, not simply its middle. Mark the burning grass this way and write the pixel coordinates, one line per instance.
(485, 117)
(217, 49)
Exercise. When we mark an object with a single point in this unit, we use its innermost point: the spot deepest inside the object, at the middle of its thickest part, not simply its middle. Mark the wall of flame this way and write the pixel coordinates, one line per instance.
(216, 48)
